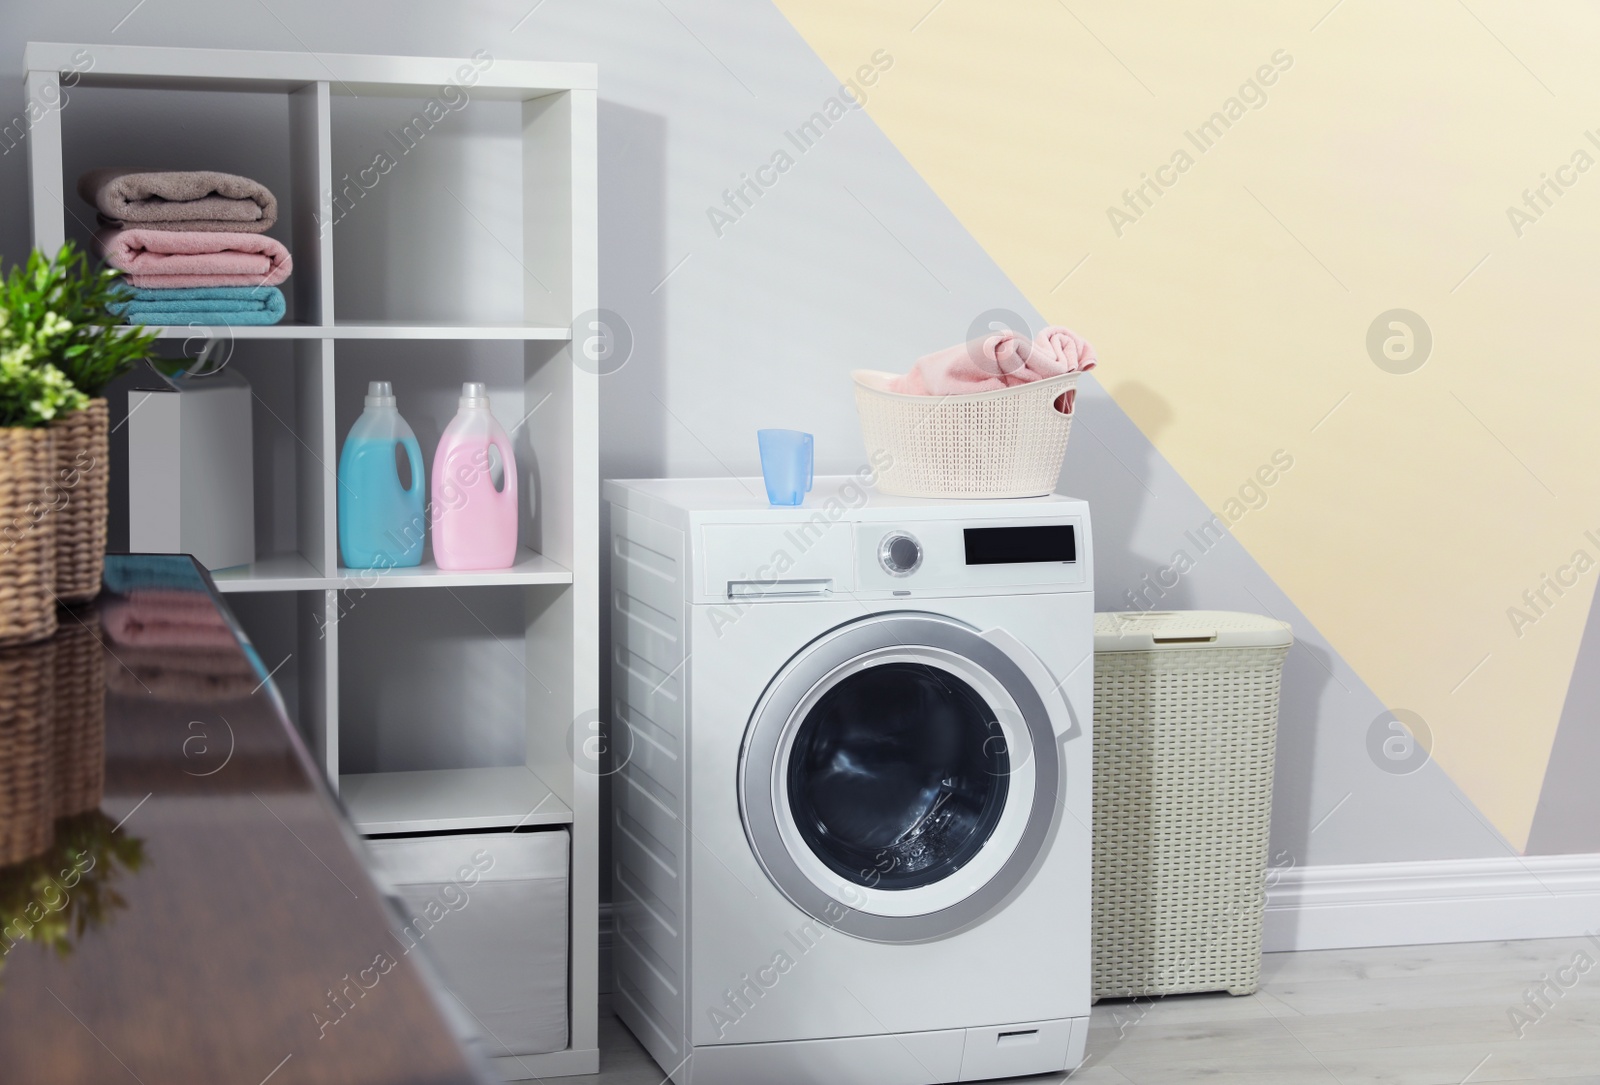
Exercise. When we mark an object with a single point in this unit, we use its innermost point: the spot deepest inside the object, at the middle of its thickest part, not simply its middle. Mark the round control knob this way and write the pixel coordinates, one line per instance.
(900, 554)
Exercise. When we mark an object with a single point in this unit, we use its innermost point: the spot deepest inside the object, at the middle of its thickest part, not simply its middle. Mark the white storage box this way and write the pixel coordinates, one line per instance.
(490, 910)
(191, 486)
(1185, 727)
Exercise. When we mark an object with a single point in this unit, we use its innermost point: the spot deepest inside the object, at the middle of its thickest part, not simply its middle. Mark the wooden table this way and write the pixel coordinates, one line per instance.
(200, 913)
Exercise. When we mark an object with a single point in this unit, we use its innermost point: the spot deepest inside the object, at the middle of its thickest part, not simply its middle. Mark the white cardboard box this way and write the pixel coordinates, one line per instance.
(191, 486)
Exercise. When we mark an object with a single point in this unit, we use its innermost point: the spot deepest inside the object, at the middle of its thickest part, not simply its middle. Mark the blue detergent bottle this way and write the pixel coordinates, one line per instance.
(381, 520)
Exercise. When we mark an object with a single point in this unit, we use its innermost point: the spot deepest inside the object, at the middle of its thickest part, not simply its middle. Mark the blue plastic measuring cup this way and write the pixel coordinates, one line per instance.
(786, 463)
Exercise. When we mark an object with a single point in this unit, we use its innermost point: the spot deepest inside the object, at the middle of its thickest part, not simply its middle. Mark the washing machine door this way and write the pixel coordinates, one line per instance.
(900, 776)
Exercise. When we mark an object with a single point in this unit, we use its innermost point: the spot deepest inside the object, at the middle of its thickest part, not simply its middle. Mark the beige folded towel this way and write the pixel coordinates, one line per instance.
(179, 200)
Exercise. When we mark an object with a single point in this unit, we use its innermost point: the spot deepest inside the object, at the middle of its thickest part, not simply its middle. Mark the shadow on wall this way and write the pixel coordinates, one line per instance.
(633, 185)
(1130, 575)
(1118, 521)
(1567, 819)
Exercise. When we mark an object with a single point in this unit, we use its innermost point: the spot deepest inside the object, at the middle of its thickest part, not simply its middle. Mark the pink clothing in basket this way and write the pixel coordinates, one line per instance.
(1059, 350)
(1002, 360)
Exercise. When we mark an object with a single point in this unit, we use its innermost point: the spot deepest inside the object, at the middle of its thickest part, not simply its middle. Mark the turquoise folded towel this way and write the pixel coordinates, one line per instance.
(201, 305)
(126, 573)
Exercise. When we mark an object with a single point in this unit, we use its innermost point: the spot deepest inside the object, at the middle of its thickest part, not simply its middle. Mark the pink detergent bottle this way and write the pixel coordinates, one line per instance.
(474, 521)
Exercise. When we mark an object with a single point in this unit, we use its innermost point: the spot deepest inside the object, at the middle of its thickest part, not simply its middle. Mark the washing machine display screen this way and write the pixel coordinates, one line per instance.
(897, 776)
(1020, 545)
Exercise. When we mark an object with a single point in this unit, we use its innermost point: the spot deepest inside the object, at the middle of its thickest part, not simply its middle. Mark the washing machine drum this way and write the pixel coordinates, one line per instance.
(900, 776)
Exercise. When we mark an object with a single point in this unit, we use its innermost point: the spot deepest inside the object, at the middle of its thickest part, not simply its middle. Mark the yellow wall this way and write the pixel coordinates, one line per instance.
(1235, 310)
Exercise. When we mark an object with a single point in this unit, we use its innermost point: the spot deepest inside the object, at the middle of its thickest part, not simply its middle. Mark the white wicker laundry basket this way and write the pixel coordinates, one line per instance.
(1006, 443)
(1185, 725)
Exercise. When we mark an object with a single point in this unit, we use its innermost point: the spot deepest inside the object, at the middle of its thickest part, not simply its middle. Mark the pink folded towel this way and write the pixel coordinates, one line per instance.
(1002, 360)
(168, 258)
(166, 619)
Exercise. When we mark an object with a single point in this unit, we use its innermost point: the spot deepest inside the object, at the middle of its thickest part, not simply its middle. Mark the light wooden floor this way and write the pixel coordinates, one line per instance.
(1428, 1015)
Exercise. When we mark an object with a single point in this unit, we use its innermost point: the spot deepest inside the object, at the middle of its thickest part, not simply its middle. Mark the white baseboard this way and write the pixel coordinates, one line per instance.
(1448, 900)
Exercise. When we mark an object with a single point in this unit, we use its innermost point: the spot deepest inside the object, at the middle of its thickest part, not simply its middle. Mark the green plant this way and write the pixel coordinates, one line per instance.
(60, 305)
(97, 351)
(55, 898)
(32, 390)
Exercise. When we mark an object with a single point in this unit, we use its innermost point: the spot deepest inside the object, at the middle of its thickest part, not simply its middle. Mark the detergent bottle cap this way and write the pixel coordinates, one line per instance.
(474, 394)
(380, 394)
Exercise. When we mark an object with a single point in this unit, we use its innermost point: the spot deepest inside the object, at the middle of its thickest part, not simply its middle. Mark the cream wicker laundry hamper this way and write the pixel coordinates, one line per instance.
(1185, 724)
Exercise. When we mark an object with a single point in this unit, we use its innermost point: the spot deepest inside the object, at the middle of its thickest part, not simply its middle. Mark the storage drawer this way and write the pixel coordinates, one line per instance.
(490, 910)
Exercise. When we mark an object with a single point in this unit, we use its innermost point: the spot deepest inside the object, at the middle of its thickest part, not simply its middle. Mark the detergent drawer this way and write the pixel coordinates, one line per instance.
(811, 558)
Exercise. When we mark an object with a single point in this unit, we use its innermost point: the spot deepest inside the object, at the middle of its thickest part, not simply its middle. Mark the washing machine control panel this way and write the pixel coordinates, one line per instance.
(943, 556)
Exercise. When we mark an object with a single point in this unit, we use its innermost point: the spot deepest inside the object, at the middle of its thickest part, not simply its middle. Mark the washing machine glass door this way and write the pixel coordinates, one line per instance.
(899, 777)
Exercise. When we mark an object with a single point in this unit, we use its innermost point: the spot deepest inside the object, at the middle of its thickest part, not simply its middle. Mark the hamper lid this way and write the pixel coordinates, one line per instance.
(1158, 630)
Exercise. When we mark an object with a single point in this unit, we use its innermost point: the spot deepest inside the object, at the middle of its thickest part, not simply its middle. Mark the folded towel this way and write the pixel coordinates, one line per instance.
(168, 258)
(166, 619)
(126, 573)
(179, 200)
(191, 675)
(1002, 360)
(237, 305)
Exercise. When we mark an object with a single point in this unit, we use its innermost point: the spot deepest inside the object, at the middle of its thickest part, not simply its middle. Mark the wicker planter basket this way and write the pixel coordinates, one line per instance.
(1185, 726)
(27, 536)
(79, 502)
(27, 812)
(79, 713)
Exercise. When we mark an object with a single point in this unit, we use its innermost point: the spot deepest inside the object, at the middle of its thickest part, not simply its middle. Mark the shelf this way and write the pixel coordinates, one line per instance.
(395, 329)
(529, 568)
(278, 572)
(292, 572)
(439, 800)
(201, 329)
(368, 329)
(252, 69)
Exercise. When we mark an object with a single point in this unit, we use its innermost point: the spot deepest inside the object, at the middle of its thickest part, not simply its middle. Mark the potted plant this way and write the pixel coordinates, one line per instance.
(63, 302)
(33, 393)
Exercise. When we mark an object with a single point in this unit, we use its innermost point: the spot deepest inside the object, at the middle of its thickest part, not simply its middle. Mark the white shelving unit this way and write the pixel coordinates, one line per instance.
(434, 700)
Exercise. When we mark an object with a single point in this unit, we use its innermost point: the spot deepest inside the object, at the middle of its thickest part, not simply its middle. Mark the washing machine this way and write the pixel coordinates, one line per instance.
(851, 803)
